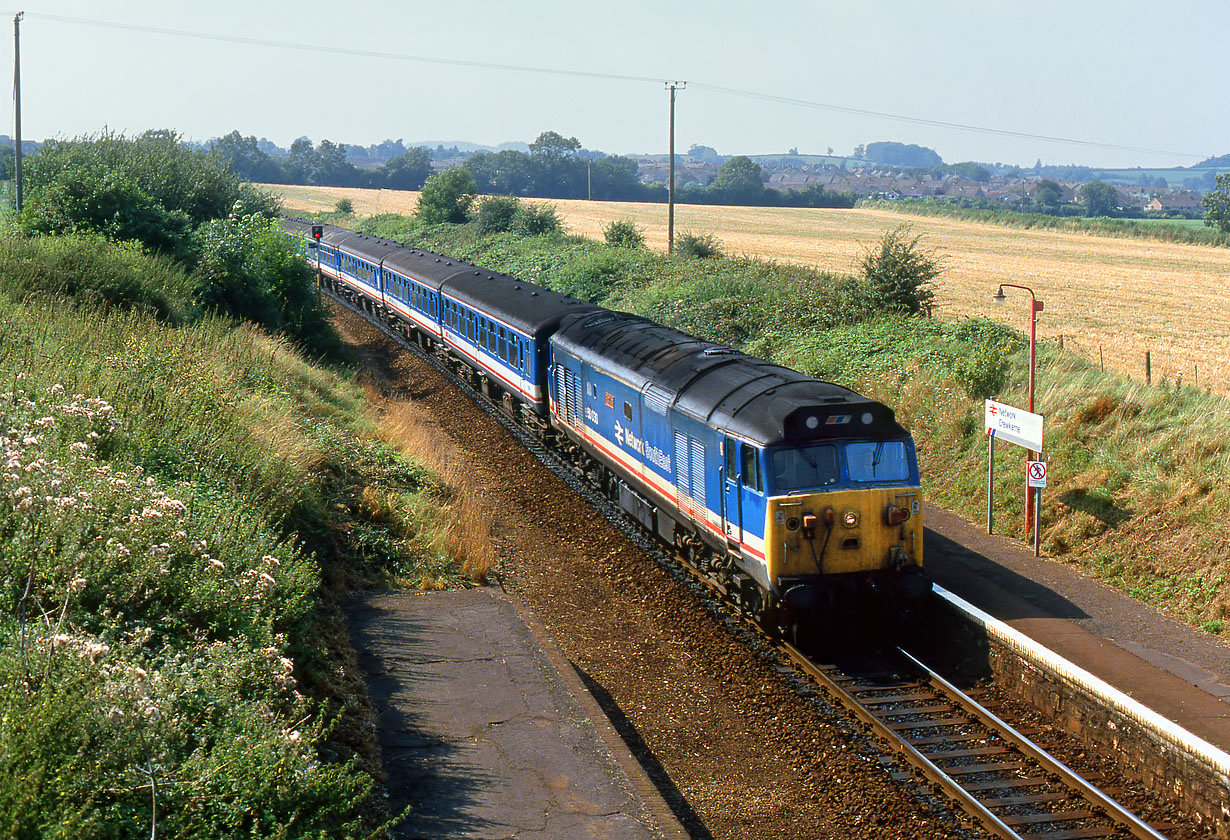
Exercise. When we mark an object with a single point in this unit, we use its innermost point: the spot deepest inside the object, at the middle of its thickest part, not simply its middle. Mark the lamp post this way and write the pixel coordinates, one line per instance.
(1035, 306)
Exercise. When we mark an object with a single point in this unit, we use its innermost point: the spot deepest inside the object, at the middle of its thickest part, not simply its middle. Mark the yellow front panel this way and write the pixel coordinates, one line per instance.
(867, 546)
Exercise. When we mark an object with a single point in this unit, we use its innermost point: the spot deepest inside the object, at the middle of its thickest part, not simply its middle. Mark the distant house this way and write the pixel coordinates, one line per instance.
(1174, 201)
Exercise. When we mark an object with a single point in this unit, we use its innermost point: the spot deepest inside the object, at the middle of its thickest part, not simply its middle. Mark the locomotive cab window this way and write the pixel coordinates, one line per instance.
(749, 466)
(628, 410)
(883, 460)
(805, 467)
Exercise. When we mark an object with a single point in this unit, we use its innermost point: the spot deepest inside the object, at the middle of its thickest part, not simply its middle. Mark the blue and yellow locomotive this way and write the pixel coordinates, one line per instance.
(800, 498)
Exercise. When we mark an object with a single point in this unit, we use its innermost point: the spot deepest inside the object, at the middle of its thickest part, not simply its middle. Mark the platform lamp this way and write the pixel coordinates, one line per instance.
(1035, 306)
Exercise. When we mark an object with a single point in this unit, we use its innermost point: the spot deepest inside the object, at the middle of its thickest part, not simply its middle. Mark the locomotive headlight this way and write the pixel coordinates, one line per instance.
(850, 519)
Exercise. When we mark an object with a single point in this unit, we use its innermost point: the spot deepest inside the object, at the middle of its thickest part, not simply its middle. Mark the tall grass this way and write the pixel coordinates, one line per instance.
(171, 499)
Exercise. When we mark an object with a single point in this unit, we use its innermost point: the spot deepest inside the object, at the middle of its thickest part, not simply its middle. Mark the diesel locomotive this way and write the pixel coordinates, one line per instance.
(798, 498)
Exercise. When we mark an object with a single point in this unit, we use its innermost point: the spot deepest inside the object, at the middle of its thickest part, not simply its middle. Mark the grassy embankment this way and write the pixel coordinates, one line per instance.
(1139, 474)
(183, 500)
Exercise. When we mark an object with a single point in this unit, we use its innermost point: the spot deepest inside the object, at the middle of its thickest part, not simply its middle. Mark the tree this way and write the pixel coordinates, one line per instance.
(1217, 205)
(900, 154)
(1100, 198)
(243, 156)
(301, 163)
(555, 146)
(738, 181)
(1049, 193)
(332, 168)
(898, 274)
(507, 172)
(408, 170)
(446, 197)
(615, 179)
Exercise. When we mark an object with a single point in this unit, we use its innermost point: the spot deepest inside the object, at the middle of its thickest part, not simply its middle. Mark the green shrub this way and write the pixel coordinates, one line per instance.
(246, 269)
(592, 278)
(537, 219)
(344, 206)
(446, 197)
(624, 233)
(898, 275)
(698, 245)
(496, 213)
(153, 189)
(91, 270)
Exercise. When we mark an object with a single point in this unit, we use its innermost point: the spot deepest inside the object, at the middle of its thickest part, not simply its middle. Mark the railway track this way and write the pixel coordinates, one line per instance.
(994, 772)
(988, 769)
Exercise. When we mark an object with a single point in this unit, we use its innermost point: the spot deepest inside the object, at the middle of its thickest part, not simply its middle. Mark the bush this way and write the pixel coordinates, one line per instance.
(592, 279)
(248, 270)
(698, 245)
(496, 213)
(624, 233)
(446, 197)
(94, 271)
(537, 219)
(897, 274)
(344, 206)
(95, 199)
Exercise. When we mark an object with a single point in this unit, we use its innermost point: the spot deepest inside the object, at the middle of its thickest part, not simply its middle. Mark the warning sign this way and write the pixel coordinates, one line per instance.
(1035, 472)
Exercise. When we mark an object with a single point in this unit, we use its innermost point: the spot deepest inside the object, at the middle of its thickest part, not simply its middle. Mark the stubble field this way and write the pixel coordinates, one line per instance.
(1112, 299)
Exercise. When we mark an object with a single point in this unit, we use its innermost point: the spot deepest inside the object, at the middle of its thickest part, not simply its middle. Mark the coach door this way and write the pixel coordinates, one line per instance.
(732, 508)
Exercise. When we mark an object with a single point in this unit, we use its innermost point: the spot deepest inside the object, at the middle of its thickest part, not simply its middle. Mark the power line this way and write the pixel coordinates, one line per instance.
(335, 50)
(768, 97)
(585, 74)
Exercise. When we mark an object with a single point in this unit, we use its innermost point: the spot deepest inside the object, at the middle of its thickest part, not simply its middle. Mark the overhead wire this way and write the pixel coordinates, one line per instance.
(586, 74)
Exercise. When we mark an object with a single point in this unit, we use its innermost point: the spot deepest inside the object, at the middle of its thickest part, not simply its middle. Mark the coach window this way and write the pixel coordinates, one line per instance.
(628, 410)
(750, 464)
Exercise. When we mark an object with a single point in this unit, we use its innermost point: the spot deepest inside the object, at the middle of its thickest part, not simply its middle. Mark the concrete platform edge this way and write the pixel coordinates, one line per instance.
(1179, 764)
(656, 806)
(1047, 660)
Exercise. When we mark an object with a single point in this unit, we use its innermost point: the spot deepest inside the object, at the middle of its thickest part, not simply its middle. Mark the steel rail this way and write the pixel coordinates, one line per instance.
(678, 566)
(1112, 809)
(947, 783)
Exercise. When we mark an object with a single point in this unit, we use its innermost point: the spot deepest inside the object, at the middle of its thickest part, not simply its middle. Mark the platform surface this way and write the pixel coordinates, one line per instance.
(1177, 671)
(485, 733)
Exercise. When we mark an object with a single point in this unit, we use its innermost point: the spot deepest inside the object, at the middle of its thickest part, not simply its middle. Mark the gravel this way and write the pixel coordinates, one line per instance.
(727, 737)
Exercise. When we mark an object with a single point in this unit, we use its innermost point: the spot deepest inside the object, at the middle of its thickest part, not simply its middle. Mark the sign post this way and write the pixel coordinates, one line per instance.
(1023, 428)
(1035, 478)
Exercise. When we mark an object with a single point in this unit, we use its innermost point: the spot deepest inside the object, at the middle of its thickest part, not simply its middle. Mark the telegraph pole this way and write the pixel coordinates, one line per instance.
(17, 108)
(670, 189)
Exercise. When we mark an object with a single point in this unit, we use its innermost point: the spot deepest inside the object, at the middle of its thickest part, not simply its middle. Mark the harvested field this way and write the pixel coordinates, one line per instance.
(1114, 299)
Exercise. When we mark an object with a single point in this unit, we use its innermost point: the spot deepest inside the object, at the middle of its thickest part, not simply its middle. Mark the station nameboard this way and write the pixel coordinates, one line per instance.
(1015, 425)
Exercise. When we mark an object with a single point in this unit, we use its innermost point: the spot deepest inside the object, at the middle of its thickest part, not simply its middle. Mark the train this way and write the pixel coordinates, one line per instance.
(798, 499)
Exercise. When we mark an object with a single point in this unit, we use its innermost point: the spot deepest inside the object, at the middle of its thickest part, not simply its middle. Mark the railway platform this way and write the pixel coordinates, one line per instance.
(486, 729)
(1178, 672)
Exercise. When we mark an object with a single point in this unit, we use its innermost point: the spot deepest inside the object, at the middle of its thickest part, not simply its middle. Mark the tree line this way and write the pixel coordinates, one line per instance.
(554, 167)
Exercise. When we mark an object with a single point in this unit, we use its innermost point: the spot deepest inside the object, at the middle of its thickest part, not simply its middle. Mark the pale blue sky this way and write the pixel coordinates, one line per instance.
(1118, 72)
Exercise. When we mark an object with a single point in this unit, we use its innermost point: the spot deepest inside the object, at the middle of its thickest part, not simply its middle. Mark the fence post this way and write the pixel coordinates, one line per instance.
(1148, 368)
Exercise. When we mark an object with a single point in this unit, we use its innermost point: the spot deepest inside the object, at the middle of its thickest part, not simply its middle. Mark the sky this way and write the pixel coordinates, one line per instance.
(1111, 83)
